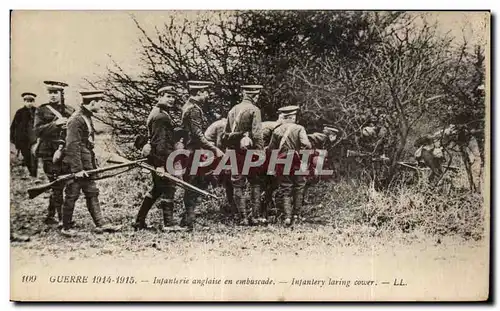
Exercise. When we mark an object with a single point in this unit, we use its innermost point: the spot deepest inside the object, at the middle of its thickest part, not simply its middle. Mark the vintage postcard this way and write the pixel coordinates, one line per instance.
(263, 155)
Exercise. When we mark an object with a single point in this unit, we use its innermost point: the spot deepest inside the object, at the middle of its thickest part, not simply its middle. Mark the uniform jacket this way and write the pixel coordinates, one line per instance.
(79, 153)
(161, 127)
(215, 130)
(296, 138)
(194, 122)
(46, 129)
(267, 130)
(22, 134)
(249, 121)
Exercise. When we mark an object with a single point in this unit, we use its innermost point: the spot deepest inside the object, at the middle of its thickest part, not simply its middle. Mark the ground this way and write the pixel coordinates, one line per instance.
(349, 236)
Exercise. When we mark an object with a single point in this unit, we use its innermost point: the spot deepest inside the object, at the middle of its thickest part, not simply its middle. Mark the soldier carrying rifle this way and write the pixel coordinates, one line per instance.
(79, 157)
(161, 130)
(50, 128)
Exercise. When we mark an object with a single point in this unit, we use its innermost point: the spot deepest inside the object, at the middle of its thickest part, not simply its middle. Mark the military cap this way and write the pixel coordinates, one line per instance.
(55, 85)
(166, 89)
(198, 85)
(92, 94)
(289, 110)
(252, 88)
(27, 95)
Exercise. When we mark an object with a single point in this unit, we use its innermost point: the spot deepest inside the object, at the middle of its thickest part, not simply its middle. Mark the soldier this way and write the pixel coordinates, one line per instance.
(269, 182)
(193, 122)
(290, 137)
(78, 158)
(50, 128)
(214, 135)
(22, 134)
(161, 131)
(215, 130)
(430, 153)
(244, 131)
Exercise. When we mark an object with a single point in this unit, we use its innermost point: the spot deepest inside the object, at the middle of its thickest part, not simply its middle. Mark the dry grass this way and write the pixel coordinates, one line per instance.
(343, 214)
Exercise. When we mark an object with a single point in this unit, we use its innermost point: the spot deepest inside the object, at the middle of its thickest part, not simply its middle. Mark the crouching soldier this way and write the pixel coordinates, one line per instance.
(290, 138)
(214, 135)
(161, 136)
(78, 158)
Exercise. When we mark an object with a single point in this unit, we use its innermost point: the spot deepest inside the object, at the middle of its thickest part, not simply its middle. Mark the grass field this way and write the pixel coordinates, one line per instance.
(339, 214)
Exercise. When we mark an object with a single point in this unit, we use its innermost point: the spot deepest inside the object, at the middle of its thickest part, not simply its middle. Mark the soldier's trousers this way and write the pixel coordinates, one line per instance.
(56, 197)
(191, 198)
(91, 193)
(28, 161)
(225, 181)
(290, 194)
(164, 191)
(269, 185)
(239, 184)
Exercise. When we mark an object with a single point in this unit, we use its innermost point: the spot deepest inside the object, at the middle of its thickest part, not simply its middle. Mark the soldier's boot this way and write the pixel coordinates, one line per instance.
(240, 200)
(255, 218)
(189, 218)
(140, 220)
(67, 218)
(287, 209)
(298, 199)
(96, 214)
(55, 207)
(232, 209)
(167, 208)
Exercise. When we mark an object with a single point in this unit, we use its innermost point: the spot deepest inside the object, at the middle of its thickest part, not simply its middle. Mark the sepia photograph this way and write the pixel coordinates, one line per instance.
(250, 155)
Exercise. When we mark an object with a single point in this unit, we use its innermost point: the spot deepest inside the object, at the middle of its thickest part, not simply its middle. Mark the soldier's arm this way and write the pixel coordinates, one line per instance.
(274, 142)
(211, 133)
(257, 130)
(227, 128)
(195, 125)
(73, 145)
(44, 124)
(304, 140)
(160, 128)
(13, 127)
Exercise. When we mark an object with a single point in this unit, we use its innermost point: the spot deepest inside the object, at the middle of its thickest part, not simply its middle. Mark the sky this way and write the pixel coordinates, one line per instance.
(69, 46)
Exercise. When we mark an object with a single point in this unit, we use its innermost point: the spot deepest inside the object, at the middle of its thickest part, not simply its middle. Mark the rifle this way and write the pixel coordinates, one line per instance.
(36, 191)
(414, 166)
(351, 153)
(177, 181)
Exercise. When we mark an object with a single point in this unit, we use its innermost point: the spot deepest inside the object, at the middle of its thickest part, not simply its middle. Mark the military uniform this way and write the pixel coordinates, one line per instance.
(79, 156)
(269, 183)
(290, 137)
(245, 119)
(161, 129)
(267, 130)
(214, 134)
(22, 134)
(193, 123)
(215, 131)
(51, 138)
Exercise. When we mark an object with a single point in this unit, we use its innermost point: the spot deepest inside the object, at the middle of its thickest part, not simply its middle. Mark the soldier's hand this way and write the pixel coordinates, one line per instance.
(81, 174)
(218, 153)
(62, 121)
(160, 169)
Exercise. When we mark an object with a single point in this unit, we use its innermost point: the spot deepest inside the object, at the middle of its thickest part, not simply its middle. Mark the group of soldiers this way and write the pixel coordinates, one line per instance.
(242, 130)
(63, 138)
